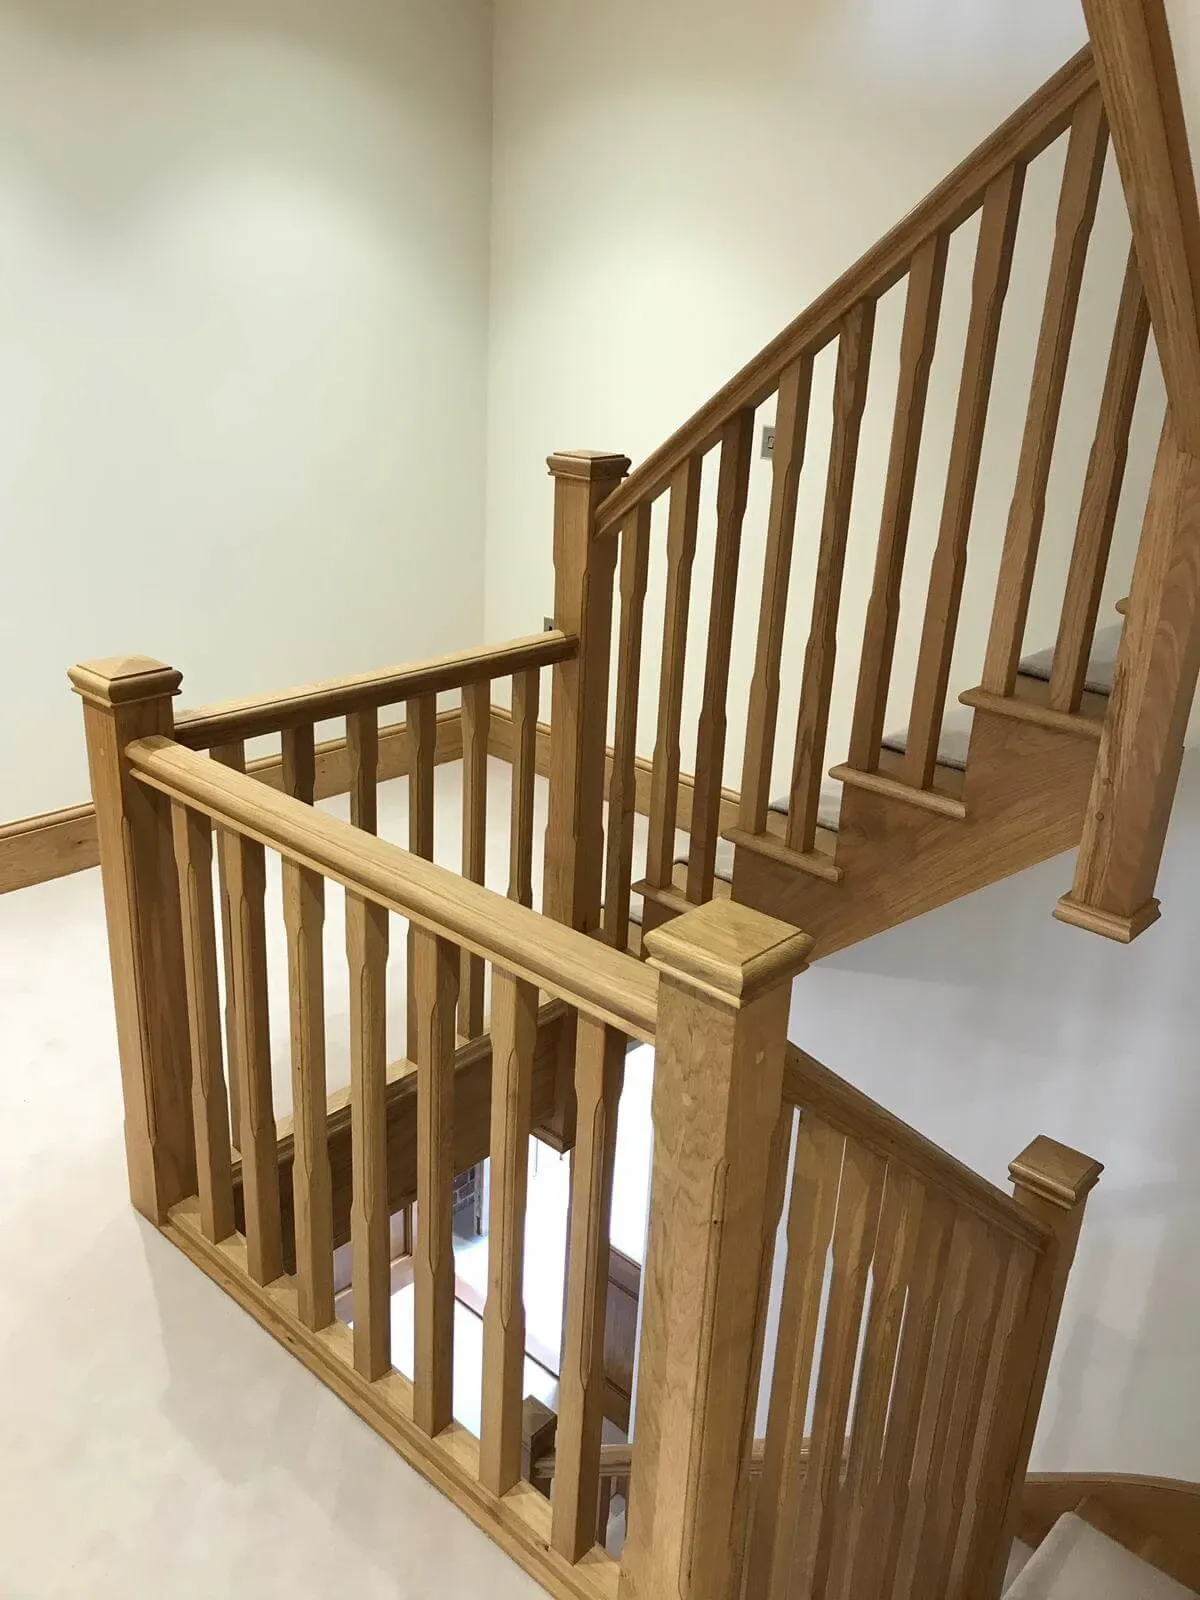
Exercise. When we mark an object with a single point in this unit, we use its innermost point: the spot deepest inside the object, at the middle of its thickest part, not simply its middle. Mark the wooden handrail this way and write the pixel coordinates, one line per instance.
(602, 982)
(235, 720)
(811, 1086)
(1043, 117)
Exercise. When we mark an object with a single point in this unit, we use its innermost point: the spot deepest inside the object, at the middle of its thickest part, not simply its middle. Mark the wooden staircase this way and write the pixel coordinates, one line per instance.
(919, 1303)
(1043, 768)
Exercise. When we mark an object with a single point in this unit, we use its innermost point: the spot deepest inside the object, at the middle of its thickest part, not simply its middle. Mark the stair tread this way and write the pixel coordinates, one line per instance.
(1077, 1562)
(952, 746)
(1101, 669)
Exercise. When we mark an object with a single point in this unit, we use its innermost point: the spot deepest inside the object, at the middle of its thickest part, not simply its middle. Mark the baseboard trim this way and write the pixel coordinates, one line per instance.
(36, 849)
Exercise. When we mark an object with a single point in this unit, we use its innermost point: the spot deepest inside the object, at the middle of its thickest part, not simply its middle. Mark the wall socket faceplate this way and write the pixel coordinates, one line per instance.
(768, 442)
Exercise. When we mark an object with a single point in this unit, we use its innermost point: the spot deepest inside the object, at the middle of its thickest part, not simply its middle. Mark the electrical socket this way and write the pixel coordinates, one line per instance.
(768, 441)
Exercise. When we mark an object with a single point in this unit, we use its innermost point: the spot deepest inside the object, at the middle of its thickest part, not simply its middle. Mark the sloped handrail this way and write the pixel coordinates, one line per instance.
(1034, 126)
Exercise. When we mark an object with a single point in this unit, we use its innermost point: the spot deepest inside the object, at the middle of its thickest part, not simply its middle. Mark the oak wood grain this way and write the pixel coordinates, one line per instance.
(993, 268)
(926, 282)
(1087, 150)
(683, 518)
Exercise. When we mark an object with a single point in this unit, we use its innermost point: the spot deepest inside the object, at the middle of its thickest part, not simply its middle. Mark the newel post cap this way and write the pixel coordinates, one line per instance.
(124, 680)
(1055, 1173)
(589, 466)
(729, 952)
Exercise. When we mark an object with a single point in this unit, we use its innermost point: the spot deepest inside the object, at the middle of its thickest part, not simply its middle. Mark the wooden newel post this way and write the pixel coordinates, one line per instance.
(125, 699)
(584, 567)
(718, 1087)
(1052, 1182)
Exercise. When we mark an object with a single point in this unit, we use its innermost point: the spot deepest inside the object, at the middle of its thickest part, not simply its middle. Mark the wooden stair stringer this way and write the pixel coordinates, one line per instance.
(1026, 791)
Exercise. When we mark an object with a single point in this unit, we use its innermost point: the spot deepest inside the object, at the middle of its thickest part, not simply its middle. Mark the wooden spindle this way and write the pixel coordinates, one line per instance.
(476, 725)
(981, 1509)
(682, 522)
(422, 746)
(876, 1559)
(526, 688)
(777, 1174)
(816, 690)
(304, 920)
(926, 282)
(514, 1039)
(362, 749)
(791, 432)
(892, 1268)
(599, 1073)
(1086, 153)
(366, 951)
(859, 1201)
(232, 756)
(604, 1510)
(934, 1419)
(299, 763)
(993, 269)
(733, 484)
(435, 972)
(260, 1167)
(622, 793)
(958, 1410)
(815, 1178)
(312, 1198)
(210, 1108)
(584, 565)
(725, 979)
(1101, 495)
(125, 699)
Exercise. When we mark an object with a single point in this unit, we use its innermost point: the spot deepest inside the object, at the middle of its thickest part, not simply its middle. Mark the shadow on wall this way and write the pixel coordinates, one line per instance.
(986, 1023)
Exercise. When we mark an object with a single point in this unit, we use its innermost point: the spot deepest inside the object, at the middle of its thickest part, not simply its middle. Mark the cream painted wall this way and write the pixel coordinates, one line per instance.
(243, 315)
(673, 183)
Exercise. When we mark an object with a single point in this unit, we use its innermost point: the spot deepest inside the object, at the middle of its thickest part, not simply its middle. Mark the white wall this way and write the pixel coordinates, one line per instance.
(243, 316)
(987, 1023)
(673, 183)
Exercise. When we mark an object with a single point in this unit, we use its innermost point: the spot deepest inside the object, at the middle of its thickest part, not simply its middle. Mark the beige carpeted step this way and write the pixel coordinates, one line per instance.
(1076, 1562)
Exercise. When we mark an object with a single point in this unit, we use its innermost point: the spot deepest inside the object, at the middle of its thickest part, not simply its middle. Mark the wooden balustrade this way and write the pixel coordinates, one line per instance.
(949, 1289)
(177, 796)
(990, 184)
(920, 1397)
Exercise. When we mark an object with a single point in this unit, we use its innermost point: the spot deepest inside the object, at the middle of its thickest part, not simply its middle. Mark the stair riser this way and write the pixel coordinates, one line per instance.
(1026, 791)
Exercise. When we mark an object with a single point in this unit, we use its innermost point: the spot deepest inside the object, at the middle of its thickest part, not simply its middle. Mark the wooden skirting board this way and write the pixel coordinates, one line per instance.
(36, 849)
